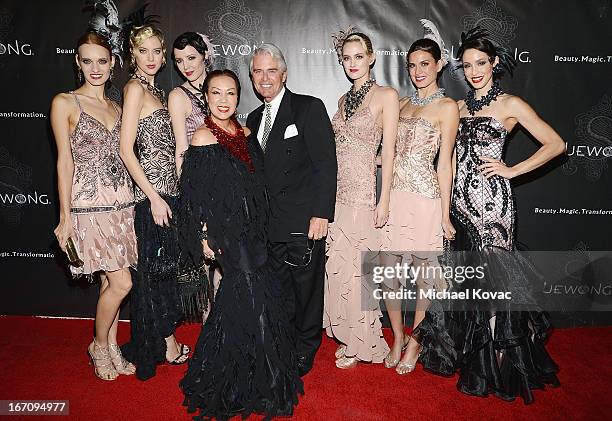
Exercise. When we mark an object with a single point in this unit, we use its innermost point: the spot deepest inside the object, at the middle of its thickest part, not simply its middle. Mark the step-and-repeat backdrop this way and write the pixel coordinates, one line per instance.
(565, 61)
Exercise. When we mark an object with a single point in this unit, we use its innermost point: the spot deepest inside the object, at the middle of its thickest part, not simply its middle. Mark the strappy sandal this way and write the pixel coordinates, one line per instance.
(340, 352)
(122, 365)
(184, 351)
(391, 363)
(404, 368)
(101, 360)
(347, 362)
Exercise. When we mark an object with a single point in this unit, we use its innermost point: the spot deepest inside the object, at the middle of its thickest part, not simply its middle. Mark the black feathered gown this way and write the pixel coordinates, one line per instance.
(458, 336)
(244, 361)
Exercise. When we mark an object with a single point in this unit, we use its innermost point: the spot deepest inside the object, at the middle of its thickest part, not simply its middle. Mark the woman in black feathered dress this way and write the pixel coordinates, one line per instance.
(244, 361)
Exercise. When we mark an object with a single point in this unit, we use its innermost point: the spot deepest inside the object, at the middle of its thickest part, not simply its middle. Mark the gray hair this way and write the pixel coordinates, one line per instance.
(274, 51)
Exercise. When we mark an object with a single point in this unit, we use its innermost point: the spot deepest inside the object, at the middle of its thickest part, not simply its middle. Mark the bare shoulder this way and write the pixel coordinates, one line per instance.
(63, 103)
(177, 99)
(512, 101)
(203, 136)
(448, 105)
(246, 130)
(133, 88)
(62, 98)
(386, 93)
(178, 93)
(515, 107)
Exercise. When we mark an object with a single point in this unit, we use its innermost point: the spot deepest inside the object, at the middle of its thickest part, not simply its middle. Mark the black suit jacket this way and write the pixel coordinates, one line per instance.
(300, 171)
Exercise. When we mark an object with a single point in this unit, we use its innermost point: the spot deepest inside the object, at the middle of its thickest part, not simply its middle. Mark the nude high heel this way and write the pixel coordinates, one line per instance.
(101, 360)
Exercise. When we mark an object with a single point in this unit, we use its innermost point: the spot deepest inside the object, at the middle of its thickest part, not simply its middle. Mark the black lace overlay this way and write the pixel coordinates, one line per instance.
(156, 149)
(154, 301)
(509, 360)
(244, 361)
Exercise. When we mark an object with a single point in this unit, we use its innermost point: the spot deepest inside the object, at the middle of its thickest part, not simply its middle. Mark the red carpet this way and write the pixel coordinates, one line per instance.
(46, 359)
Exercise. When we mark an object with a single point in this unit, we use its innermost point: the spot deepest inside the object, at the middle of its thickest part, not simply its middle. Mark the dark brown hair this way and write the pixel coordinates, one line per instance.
(427, 45)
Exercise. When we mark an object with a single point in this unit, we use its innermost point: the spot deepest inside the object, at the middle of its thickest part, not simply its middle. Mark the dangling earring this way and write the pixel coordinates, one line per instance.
(80, 75)
(111, 73)
(497, 68)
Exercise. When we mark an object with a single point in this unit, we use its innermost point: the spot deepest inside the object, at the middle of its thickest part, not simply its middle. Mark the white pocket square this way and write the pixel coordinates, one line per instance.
(290, 131)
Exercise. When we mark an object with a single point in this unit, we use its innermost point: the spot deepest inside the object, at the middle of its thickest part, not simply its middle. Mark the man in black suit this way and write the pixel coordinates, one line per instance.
(297, 141)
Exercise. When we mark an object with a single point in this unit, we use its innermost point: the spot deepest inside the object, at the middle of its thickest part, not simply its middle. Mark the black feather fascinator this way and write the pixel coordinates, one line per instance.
(478, 35)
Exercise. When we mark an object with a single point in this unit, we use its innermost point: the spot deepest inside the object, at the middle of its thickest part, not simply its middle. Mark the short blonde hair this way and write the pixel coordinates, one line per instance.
(140, 34)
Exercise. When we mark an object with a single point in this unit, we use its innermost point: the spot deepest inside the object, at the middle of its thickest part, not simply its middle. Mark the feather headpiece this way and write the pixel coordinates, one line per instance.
(338, 39)
(505, 54)
(432, 33)
(209, 47)
(105, 21)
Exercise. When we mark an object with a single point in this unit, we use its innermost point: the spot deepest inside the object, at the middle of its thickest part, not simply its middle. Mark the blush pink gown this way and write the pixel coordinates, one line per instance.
(415, 210)
(349, 316)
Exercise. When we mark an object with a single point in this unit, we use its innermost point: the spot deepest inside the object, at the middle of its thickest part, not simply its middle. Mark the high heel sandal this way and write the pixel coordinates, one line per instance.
(101, 360)
(340, 352)
(184, 351)
(347, 362)
(404, 368)
(390, 363)
(122, 365)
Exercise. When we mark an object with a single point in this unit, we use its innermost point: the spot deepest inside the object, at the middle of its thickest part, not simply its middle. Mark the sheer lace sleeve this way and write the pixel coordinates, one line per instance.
(194, 208)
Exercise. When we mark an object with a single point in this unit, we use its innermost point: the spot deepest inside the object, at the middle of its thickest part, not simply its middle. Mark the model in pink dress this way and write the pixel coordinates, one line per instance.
(367, 114)
(415, 209)
(95, 195)
(102, 201)
(420, 193)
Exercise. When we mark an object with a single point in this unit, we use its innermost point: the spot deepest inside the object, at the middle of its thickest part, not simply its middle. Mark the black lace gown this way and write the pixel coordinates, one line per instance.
(458, 336)
(244, 361)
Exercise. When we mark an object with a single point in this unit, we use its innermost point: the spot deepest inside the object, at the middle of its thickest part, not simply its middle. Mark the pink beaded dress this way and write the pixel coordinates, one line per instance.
(102, 201)
(350, 317)
(415, 210)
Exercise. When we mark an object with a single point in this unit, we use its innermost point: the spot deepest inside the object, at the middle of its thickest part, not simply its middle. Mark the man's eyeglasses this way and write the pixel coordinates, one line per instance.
(304, 261)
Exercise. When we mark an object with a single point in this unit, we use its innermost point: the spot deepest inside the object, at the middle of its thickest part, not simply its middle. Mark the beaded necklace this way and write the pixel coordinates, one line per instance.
(157, 92)
(421, 102)
(354, 98)
(236, 143)
(474, 105)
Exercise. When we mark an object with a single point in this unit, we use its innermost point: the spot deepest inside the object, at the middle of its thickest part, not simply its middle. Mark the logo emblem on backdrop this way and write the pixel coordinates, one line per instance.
(500, 25)
(594, 147)
(16, 189)
(6, 24)
(8, 46)
(233, 28)
(6, 27)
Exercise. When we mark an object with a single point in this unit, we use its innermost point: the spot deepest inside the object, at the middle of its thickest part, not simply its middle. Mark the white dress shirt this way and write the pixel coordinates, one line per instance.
(273, 111)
